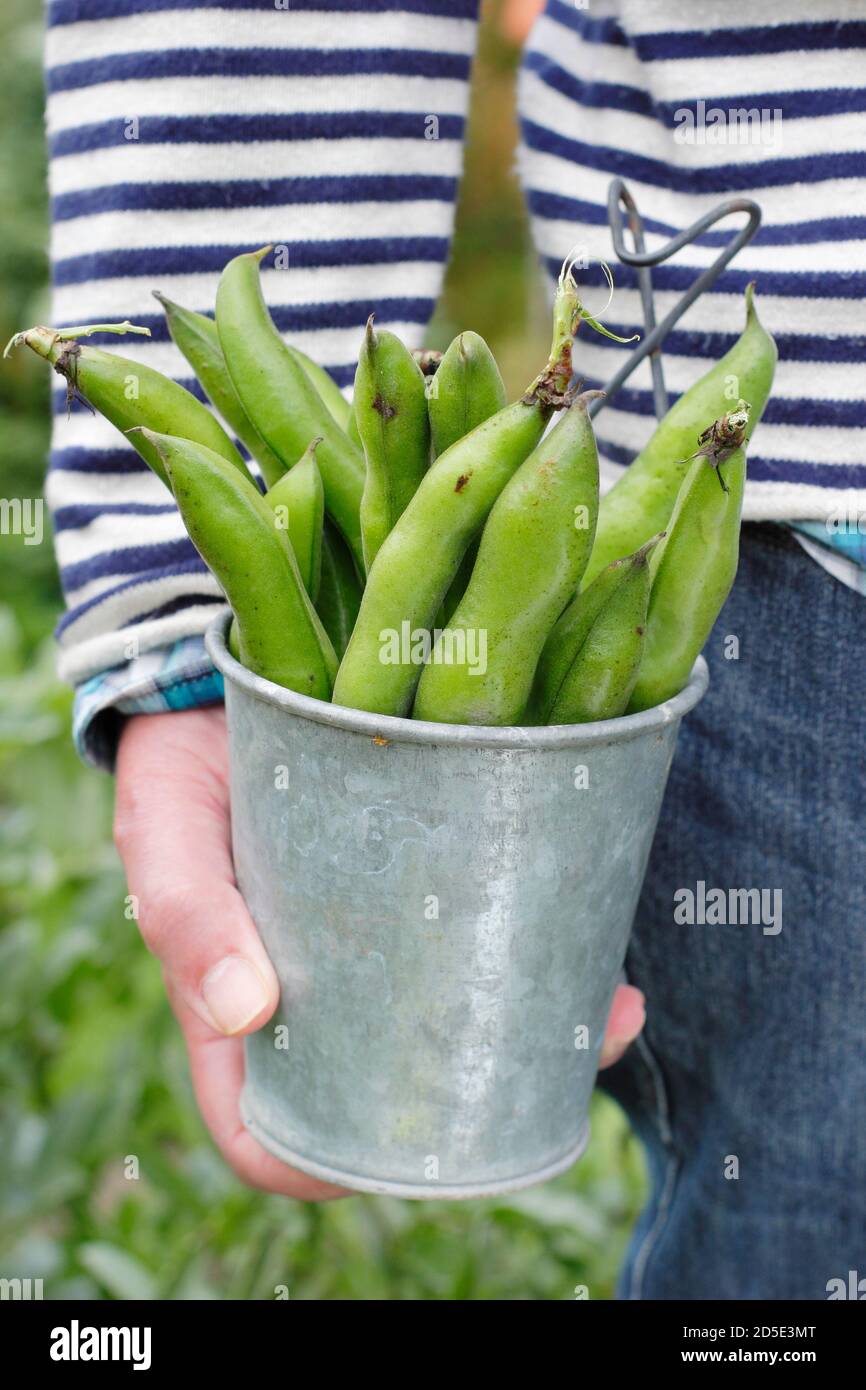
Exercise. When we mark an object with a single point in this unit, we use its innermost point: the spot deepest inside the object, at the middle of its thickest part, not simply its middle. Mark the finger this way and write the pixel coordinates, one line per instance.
(217, 1066)
(518, 17)
(626, 1019)
(172, 830)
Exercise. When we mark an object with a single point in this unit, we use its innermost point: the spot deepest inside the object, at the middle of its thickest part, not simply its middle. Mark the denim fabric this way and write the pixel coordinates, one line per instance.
(755, 1046)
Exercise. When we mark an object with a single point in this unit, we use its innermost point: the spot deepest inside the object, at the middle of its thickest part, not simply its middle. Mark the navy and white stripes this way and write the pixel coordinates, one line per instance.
(181, 134)
(603, 92)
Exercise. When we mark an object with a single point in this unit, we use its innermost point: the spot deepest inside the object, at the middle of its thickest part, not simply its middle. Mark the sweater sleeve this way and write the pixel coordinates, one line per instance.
(182, 132)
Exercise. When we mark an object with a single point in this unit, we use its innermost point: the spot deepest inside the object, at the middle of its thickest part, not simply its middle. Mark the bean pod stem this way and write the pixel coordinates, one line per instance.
(129, 394)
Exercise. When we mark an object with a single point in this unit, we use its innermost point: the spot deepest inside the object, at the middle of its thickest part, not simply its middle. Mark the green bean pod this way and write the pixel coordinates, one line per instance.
(197, 338)
(465, 390)
(692, 573)
(641, 501)
(565, 640)
(232, 527)
(600, 680)
(390, 407)
(534, 549)
(329, 392)
(129, 394)
(298, 503)
(279, 397)
(459, 584)
(572, 628)
(339, 592)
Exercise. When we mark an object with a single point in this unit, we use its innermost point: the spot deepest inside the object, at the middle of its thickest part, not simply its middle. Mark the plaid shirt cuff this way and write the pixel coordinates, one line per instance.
(168, 678)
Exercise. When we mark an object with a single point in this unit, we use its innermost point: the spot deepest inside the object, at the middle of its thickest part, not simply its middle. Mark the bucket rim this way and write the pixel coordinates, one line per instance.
(394, 729)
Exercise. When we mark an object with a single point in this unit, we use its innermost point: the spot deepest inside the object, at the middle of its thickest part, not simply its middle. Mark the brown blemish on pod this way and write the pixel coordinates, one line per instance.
(383, 407)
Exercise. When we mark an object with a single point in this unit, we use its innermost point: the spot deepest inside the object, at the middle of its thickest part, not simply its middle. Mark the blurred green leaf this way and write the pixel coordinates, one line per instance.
(121, 1274)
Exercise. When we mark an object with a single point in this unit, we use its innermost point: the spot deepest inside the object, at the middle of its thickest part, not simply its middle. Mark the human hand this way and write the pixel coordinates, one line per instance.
(171, 828)
(172, 832)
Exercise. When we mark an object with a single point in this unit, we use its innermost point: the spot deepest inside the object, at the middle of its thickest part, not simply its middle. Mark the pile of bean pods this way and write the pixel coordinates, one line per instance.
(432, 550)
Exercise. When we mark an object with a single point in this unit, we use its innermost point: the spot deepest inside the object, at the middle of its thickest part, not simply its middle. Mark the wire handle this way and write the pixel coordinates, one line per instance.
(619, 197)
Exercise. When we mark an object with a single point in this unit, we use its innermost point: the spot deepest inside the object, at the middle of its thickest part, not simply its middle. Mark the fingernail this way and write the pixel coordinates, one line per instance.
(613, 1049)
(234, 993)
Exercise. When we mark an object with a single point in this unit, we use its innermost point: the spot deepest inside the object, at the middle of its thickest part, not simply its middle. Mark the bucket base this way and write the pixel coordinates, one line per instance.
(423, 1192)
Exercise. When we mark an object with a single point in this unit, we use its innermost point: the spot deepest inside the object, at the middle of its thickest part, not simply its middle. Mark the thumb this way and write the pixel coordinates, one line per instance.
(172, 832)
(625, 1021)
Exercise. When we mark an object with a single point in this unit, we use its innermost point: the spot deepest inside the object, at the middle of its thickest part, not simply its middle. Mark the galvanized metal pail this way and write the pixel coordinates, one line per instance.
(447, 908)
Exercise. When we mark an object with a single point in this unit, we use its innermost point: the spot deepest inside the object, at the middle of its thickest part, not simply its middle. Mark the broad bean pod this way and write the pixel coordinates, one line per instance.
(279, 397)
(390, 409)
(533, 551)
(279, 633)
(298, 503)
(130, 394)
(640, 503)
(692, 573)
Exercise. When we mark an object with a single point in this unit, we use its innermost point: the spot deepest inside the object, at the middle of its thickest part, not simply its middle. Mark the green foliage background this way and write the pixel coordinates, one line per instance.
(92, 1069)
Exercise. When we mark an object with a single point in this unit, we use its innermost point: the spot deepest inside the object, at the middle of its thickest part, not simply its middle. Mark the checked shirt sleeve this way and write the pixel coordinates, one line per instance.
(168, 678)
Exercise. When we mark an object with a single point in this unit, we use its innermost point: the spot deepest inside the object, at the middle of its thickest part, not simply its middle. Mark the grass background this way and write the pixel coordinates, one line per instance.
(92, 1069)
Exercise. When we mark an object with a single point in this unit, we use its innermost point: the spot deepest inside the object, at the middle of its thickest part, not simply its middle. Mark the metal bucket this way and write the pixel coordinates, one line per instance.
(447, 908)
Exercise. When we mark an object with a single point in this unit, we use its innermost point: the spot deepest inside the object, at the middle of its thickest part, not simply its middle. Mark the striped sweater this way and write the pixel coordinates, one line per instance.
(182, 132)
(614, 90)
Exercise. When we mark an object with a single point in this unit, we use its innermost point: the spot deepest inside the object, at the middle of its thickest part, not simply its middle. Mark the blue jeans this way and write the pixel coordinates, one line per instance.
(749, 1086)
